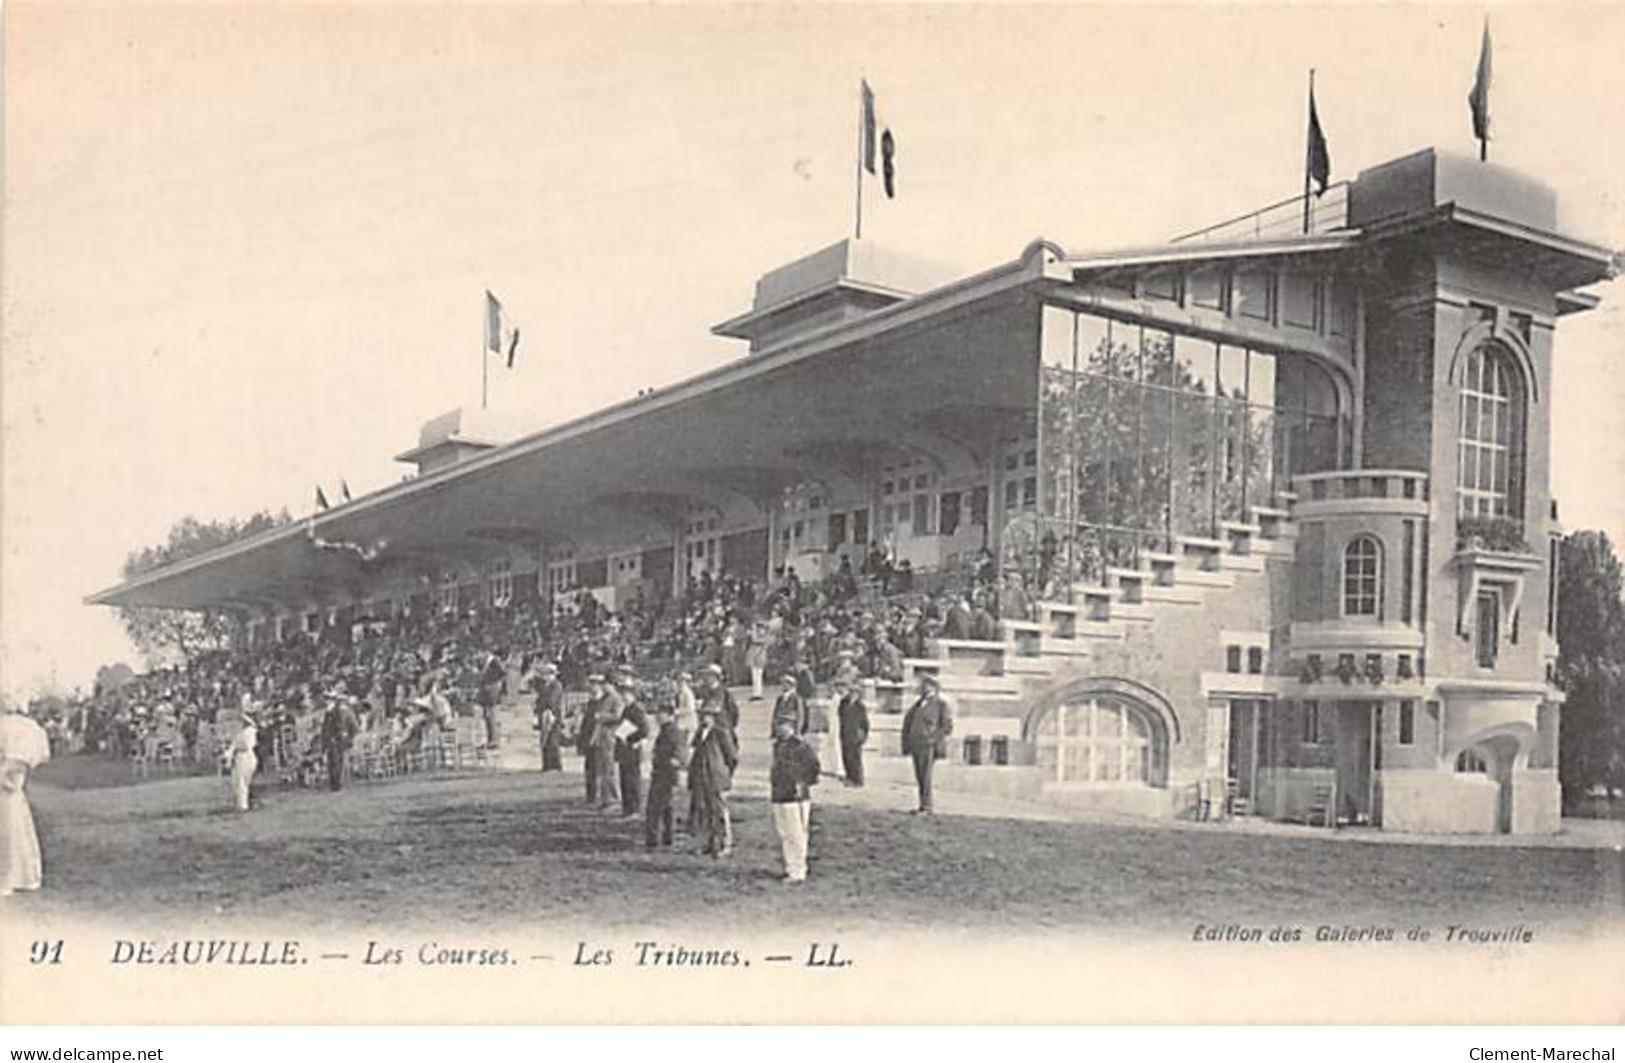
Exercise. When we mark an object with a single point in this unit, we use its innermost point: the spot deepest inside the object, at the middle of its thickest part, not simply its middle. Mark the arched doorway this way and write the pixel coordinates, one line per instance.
(1494, 758)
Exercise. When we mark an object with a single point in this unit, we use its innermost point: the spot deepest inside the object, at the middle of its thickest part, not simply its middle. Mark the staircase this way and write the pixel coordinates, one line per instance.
(1162, 624)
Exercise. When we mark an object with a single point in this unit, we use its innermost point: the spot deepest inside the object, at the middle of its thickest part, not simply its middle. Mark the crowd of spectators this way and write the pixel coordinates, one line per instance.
(405, 671)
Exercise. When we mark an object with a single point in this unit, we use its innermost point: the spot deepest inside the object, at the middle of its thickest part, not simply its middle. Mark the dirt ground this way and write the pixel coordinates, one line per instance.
(519, 848)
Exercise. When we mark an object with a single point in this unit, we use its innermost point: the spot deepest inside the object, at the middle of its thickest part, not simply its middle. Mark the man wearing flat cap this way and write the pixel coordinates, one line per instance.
(926, 728)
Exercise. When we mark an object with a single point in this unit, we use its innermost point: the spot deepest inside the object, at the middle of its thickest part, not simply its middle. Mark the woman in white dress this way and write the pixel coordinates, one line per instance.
(23, 746)
(240, 754)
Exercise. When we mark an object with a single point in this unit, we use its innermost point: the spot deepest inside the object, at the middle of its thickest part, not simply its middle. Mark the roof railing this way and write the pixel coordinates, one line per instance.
(1327, 213)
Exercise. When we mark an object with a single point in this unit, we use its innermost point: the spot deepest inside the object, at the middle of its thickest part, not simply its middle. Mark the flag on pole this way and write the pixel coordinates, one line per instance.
(499, 338)
(321, 499)
(868, 127)
(1319, 159)
(1479, 98)
(493, 323)
(888, 163)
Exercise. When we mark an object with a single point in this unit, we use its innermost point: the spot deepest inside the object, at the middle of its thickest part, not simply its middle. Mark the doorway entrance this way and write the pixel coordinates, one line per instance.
(1356, 748)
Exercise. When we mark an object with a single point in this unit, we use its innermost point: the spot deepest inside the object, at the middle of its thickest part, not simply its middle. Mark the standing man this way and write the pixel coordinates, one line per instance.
(727, 707)
(587, 733)
(790, 709)
(853, 715)
(791, 779)
(630, 731)
(756, 660)
(606, 718)
(550, 715)
(688, 705)
(664, 765)
(339, 728)
(710, 777)
(493, 679)
(926, 728)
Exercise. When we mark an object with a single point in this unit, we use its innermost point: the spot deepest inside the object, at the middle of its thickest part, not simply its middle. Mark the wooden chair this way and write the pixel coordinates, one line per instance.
(1234, 803)
(1322, 810)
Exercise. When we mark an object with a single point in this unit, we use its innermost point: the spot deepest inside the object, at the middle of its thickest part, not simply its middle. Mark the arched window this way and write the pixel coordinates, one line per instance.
(1362, 577)
(1490, 438)
(1096, 739)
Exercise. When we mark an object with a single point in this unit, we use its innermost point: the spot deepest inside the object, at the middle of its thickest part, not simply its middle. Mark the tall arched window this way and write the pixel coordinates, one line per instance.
(1362, 577)
(1490, 439)
(1096, 739)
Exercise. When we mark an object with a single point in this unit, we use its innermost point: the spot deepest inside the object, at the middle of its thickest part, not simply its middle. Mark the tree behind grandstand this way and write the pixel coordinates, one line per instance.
(1591, 665)
(165, 636)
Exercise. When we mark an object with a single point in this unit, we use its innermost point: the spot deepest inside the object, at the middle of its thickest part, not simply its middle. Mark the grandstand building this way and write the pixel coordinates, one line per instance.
(1282, 497)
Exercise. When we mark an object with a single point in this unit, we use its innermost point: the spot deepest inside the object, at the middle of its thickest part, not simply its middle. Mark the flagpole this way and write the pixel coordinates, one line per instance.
(1308, 154)
(858, 231)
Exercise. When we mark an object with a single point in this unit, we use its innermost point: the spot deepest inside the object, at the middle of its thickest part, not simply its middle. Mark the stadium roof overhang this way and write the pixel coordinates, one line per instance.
(951, 368)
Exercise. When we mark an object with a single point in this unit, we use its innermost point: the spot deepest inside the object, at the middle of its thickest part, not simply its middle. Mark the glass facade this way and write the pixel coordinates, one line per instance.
(1146, 434)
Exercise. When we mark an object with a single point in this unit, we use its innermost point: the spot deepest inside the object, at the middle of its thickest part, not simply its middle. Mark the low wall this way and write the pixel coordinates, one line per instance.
(1537, 802)
(1438, 802)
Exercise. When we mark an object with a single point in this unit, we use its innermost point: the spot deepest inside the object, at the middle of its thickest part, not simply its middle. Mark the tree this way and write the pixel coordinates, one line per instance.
(1591, 664)
(110, 677)
(164, 634)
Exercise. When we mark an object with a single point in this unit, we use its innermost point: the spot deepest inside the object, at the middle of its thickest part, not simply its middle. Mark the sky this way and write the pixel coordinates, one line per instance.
(245, 245)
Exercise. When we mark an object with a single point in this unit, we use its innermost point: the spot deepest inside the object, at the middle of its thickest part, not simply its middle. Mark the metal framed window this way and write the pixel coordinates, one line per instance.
(1362, 577)
(1098, 740)
(1488, 441)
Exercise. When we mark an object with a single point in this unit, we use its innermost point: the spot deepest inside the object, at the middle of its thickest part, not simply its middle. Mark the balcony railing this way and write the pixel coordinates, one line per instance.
(1349, 484)
(1327, 213)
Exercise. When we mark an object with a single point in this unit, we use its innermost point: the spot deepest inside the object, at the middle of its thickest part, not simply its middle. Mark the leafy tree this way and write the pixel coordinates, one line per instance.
(1591, 664)
(110, 677)
(162, 634)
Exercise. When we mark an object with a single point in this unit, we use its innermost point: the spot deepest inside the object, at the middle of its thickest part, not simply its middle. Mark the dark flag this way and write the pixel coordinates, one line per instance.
(888, 163)
(1479, 98)
(868, 127)
(1320, 160)
(321, 499)
(513, 347)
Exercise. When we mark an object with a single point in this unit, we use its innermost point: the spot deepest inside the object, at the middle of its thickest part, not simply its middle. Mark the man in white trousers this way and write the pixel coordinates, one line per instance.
(791, 779)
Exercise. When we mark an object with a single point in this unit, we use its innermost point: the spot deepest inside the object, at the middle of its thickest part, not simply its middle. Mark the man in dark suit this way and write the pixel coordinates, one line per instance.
(853, 715)
(493, 678)
(714, 688)
(339, 728)
(926, 728)
(630, 731)
(550, 715)
(710, 777)
(790, 709)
